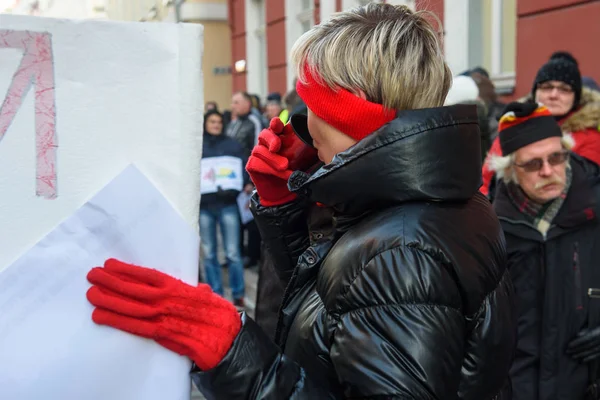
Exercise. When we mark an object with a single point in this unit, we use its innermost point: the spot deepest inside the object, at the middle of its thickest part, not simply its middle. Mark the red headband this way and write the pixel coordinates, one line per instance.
(341, 109)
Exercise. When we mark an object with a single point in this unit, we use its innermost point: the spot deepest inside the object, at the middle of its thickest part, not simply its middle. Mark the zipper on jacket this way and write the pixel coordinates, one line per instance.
(577, 277)
(543, 269)
(515, 222)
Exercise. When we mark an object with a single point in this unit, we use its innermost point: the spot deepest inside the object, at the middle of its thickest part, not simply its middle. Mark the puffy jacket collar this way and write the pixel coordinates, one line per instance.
(428, 154)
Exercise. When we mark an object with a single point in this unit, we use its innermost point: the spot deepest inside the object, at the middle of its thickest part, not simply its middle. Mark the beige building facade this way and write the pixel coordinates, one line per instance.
(217, 62)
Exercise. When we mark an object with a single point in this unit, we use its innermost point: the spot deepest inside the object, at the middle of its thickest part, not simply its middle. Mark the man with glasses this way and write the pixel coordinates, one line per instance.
(558, 86)
(547, 200)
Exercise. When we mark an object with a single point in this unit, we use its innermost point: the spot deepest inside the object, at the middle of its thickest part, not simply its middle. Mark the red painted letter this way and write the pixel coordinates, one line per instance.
(37, 68)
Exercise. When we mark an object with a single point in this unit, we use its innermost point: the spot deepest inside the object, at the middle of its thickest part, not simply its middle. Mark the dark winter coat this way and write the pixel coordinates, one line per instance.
(397, 290)
(218, 146)
(245, 129)
(482, 114)
(551, 278)
(269, 294)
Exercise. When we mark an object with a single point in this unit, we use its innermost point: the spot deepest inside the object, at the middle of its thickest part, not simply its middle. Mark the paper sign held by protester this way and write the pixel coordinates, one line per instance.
(80, 102)
(49, 346)
(243, 202)
(223, 172)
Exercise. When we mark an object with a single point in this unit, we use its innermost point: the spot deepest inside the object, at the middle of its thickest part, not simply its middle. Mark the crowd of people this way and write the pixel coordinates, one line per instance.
(234, 133)
(386, 268)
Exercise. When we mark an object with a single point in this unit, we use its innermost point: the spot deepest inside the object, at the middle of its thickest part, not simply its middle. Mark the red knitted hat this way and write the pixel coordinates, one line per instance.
(341, 109)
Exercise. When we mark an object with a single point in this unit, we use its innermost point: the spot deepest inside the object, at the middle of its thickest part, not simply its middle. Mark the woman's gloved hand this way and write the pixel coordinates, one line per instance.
(586, 345)
(277, 155)
(191, 321)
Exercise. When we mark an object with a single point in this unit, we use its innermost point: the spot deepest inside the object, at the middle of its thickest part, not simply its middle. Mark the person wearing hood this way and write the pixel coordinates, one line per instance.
(558, 86)
(219, 208)
(394, 264)
(590, 83)
(487, 93)
(464, 90)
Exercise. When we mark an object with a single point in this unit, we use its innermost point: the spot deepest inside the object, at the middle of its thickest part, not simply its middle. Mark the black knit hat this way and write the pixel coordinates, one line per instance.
(562, 67)
(522, 124)
(276, 97)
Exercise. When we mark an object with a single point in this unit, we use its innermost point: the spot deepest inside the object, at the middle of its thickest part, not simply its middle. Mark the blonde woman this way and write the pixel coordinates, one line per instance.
(394, 264)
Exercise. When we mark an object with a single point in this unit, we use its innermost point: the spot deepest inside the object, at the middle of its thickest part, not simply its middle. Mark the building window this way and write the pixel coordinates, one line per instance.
(260, 33)
(299, 19)
(348, 4)
(409, 3)
(305, 16)
(256, 48)
(492, 40)
(482, 33)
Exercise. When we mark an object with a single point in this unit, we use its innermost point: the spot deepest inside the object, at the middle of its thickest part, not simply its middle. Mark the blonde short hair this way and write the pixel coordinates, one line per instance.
(390, 53)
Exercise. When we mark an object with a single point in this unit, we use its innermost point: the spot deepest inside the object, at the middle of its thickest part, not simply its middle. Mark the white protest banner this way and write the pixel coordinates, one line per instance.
(79, 102)
(223, 172)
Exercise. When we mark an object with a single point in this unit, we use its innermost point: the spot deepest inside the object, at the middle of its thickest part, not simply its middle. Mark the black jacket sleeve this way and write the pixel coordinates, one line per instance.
(284, 232)
(491, 342)
(399, 343)
(254, 368)
(411, 336)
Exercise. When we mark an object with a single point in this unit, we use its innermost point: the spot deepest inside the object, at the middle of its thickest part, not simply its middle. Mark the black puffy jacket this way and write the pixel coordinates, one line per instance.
(397, 290)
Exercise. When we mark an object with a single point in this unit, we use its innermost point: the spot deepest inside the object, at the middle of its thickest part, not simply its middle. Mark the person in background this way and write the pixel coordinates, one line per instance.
(558, 86)
(547, 201)
(245, 130)
(394, 264)
(464, 90)
(294, 103)
(220, 209)
(590, 83)
(274, 108)
(210, 105)
(256, 104)
(487, 93)
(228, 116)
(246, 127)
(257, 109)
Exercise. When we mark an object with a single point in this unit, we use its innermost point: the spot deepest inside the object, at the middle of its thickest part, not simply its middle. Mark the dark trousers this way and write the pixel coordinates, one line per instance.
(252, 248)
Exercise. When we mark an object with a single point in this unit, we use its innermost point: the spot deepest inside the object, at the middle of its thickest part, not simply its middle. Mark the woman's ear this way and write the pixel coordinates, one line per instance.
(361, 94)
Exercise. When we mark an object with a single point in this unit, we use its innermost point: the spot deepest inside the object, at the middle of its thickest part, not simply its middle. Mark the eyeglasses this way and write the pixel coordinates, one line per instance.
(538, 163)
(547, 87)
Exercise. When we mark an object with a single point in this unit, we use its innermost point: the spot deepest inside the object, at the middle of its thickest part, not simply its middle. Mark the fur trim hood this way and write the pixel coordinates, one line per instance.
(587, 116)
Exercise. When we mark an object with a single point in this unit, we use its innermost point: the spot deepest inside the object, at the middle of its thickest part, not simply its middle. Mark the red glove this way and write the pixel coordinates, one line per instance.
(191, 321)
(277, 155)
